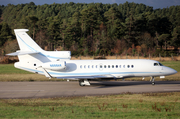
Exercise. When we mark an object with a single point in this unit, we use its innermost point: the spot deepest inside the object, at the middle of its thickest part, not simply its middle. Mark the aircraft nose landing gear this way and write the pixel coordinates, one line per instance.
(152, 80)
(153, 83)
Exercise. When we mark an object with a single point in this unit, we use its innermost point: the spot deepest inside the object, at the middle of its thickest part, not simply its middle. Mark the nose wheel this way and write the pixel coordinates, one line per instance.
(153, 83)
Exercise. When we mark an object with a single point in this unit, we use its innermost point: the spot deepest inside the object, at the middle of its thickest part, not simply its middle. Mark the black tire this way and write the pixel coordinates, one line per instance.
(80, 83)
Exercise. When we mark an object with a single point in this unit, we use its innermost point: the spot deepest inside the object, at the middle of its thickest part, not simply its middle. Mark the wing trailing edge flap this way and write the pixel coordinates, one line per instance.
(22, 53)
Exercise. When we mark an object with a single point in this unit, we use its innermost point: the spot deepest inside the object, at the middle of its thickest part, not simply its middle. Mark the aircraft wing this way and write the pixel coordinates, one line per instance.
(114, 76)
(87, 77)
(123, 75)
(22, 53)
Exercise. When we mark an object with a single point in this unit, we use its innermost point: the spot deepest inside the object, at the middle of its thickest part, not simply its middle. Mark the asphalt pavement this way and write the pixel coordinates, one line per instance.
(13, 90)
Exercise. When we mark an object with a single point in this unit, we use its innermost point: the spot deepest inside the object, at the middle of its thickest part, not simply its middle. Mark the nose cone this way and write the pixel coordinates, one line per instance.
(170, 71)
(173, 71)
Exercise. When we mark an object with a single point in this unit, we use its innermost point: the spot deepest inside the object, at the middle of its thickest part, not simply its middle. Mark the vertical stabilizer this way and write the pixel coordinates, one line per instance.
(30, 50)
(26, 43)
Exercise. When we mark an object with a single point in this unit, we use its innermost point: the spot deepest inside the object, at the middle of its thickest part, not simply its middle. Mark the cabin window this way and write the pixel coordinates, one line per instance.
(109, 66)
(124, 66)
(81, 66)
(116, 66)
(128, 66)
(84, 66)
(100, 66)
(96, 66)
(92, 66)
(88, 66)
(112, 66)
(119, 66)
(132, 66)
(34, 64)
(104, 66)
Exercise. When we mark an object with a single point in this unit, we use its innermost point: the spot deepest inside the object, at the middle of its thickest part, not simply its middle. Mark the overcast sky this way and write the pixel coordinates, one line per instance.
(154, 3)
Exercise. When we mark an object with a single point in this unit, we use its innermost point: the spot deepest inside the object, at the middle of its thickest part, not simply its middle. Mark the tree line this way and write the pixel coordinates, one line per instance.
(94, 28)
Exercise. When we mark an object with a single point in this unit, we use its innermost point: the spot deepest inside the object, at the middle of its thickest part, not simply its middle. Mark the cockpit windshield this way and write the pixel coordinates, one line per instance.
(158, 64)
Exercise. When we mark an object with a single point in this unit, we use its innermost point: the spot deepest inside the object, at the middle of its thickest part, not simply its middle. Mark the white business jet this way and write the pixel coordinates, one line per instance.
(57, 64)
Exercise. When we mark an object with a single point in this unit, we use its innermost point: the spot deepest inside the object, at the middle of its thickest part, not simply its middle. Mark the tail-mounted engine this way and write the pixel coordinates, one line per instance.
(57, 65)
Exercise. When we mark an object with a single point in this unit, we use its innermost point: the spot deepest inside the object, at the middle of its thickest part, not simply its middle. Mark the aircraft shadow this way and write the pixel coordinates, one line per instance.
(108, 84)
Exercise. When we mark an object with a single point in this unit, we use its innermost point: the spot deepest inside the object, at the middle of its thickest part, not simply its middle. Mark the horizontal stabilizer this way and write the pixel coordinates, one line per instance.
(22, 53)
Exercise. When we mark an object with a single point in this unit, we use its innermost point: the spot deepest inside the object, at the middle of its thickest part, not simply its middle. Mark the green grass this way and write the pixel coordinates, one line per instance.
(24, 77)
(10, 69)
(148, 105)
(173, 64)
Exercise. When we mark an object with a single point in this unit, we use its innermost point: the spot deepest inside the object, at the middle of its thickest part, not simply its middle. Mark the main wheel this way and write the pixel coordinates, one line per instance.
(81, 83)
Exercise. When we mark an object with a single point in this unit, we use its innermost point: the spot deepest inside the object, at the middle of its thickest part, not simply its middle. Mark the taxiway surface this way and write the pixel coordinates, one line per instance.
(61, 89)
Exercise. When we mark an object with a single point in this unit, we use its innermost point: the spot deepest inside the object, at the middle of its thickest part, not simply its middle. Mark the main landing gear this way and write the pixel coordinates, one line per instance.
(84, 82)
(152, 80)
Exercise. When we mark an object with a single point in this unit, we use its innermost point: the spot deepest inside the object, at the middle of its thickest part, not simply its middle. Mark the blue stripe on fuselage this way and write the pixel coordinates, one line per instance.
(85, 74)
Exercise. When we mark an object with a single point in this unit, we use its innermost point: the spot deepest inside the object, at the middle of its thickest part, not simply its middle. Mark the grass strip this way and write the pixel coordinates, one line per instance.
(147, 105)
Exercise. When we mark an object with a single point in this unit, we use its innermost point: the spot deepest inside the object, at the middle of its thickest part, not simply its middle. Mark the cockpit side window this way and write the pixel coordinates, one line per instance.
(156, 64)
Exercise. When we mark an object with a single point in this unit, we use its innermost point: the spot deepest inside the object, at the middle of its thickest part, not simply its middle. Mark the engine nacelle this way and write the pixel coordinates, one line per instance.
(57, 65)
(58, 54)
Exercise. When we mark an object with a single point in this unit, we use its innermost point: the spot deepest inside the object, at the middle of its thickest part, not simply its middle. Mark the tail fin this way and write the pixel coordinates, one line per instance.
(29, 47)
(26, 43)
